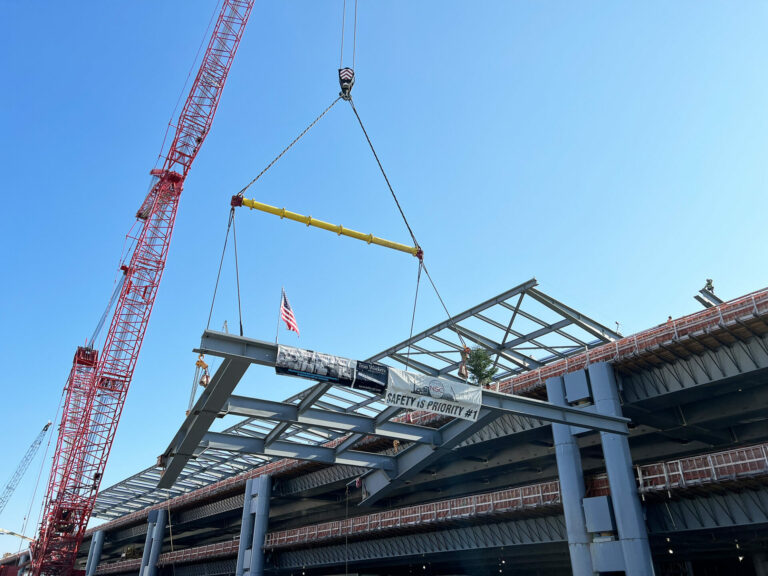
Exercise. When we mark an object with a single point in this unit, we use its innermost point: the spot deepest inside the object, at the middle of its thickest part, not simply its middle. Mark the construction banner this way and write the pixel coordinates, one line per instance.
(431, 394)
(368, 376)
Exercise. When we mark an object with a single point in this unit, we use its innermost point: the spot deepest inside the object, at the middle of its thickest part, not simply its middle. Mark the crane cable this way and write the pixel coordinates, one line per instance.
(410, 231)
(295, 140)
(231, 224)
(354, 34)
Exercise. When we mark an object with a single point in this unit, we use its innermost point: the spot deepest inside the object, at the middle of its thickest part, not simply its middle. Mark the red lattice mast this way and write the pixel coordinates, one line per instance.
(97, 386)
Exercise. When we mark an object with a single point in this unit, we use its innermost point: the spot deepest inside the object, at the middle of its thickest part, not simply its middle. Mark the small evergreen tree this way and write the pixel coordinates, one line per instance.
(479, 365)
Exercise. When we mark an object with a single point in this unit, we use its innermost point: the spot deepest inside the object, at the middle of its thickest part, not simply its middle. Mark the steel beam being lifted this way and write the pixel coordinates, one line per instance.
(428, 444)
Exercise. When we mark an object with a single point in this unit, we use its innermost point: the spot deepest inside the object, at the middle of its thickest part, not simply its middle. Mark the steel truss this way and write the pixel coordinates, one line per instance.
(427, 445)
(520, 322)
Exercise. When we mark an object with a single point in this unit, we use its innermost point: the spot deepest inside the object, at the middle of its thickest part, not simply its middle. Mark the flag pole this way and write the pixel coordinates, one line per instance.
(279, 309)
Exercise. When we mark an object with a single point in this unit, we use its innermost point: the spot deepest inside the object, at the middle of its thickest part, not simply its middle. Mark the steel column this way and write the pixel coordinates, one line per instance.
(153, 544)
(246, 529)
(94, 553)
(630, 522)
(253, 529)
(571, 486)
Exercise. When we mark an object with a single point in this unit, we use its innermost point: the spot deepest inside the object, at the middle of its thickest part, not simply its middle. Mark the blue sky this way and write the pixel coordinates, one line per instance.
(614, 150)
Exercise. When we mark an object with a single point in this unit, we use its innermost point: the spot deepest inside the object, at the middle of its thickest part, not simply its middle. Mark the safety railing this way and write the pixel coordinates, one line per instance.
(683, 473)
(207, 552)
(120, 566)
(503, 501)
(744, 308)
(703, 469)
(740, 463)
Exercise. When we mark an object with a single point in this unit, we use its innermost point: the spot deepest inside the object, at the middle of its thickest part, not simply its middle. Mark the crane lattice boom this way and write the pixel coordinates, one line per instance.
(98, 384)
(22, 468)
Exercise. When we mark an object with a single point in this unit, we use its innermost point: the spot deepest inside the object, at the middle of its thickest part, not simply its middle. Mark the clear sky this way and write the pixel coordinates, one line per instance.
(613, 150)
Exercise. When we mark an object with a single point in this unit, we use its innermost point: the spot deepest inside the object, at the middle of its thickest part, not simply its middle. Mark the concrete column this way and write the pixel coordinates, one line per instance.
(94, 553)
(153, 544)
(253, 529)
(761, 563)
(630, 521)
(571, 486)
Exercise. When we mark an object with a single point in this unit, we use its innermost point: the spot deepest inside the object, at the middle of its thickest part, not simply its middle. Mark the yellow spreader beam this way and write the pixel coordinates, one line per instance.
(337, 228)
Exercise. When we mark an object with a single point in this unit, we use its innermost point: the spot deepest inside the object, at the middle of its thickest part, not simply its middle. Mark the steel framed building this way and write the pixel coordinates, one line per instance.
(332, 481)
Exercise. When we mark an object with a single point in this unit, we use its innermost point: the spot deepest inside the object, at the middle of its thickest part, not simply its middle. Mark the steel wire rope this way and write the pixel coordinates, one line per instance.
(354, 38)
(383, 173)
(343, 25)
(295, 140)
(237, 272)
(413, 316)
(221, 263)
(405, 220)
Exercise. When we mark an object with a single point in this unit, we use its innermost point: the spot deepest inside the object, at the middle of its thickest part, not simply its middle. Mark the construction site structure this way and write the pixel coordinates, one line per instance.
(98, 383)
(334, 481)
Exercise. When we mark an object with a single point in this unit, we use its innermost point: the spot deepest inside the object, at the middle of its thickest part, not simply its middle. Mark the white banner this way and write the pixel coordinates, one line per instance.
(438, 395)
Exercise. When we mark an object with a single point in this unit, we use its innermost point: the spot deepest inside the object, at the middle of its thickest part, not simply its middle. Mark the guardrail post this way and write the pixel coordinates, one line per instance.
(253, 529)
(571, 486)
(628, 511)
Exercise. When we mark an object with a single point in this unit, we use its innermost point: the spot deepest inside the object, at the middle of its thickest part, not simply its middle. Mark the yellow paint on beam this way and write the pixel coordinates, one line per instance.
(337, 228)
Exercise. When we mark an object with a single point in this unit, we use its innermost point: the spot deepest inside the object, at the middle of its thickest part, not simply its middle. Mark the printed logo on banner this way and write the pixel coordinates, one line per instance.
(437, 395)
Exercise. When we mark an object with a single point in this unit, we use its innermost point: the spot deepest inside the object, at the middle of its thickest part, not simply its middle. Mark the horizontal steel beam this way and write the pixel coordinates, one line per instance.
(542, 410)
(342, 421)
(587, 324)
(283, 449)
(238, 352)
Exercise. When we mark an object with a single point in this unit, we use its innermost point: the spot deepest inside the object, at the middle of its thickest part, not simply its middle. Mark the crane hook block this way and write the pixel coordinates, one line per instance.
(346, 81)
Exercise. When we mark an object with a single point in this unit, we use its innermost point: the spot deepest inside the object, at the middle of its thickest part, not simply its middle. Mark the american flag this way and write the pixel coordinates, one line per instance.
(286, 314)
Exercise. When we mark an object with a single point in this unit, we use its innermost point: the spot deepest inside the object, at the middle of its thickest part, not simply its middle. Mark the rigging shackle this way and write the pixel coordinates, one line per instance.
(346, 81)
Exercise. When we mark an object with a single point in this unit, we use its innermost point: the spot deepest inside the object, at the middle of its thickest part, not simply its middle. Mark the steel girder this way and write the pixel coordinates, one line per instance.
(230, 347)
(509, 321)
(341, 421)
(202, 415)
(513, 533)
(317, 481)
(282, 449)
(428, 445)
(746, 507)
(729, 361)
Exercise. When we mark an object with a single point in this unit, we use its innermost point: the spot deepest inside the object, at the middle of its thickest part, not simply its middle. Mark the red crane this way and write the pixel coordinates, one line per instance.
(98, 384)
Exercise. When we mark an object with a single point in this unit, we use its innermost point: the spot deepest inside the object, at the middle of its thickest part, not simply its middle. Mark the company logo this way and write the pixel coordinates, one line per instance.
(436, 389)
